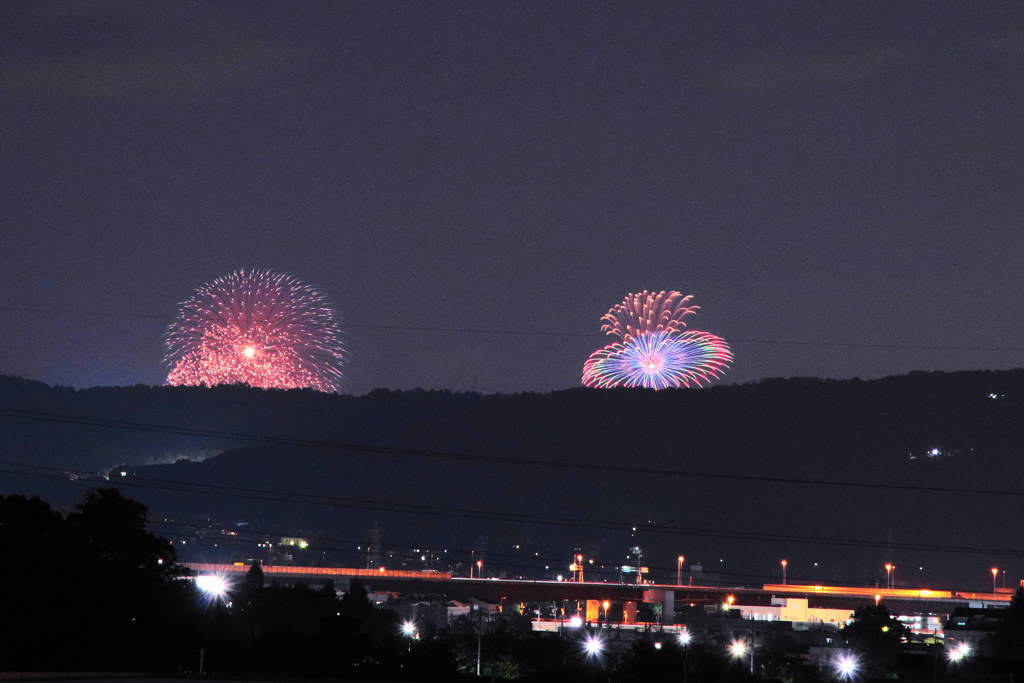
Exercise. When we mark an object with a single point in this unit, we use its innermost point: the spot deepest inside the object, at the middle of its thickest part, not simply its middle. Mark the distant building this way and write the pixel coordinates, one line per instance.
(975, 627)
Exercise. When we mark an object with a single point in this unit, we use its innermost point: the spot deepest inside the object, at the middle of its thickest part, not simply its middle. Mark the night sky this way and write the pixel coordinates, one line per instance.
(838, 172)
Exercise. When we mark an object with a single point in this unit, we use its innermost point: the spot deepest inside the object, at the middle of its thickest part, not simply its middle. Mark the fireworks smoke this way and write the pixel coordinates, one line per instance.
(256, 327)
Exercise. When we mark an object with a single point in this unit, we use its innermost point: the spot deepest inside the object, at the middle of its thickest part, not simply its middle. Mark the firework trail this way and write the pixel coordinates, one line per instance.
(648, 312)
(256, 327)
(654, 350)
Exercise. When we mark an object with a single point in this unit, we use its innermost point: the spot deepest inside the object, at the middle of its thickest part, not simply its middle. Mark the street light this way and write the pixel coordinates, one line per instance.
(408, 629)
(995, 573)
(605, 605)
(738, 649)
(784, 563)
(889, 566)
(846, 666)
(959, 653)
(213, 586)
(679, 569)
(593, 646)
(479, 569)
(684, 637)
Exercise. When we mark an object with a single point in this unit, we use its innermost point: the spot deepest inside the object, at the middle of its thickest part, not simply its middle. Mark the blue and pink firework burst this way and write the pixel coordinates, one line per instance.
(654, 350)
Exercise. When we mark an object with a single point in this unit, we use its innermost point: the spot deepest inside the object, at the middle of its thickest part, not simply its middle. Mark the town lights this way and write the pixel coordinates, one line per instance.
(846, 666)
(959, 653)
(593, 646)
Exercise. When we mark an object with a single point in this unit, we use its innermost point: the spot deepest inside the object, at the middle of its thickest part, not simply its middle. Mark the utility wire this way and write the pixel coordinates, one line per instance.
(540, 333)
(369, 449)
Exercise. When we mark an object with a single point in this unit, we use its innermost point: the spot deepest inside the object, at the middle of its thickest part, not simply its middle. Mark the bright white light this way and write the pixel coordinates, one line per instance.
(408, 629)
(657, 646)
(738, 649)
(959, 652)
(593, 646)
(212, 585)
(846, 666)
(575, 621)
(684, 638)
(249, 351)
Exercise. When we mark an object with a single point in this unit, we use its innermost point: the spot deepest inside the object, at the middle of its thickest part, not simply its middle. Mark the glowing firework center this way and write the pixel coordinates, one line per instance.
(261, 328)
(654, 350)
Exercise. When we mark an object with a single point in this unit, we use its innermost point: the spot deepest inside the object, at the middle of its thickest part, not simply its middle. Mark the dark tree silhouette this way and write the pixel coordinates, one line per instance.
(877, 636)
(1009, 639)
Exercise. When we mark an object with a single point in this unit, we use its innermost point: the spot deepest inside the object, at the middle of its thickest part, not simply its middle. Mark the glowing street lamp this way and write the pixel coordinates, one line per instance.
(738, 649)
(959, 653)
(605, 605)
(479, 569)
(684, 637)
(409, 629)
(889, 566)
(995, 573)
(846, 666)
(679, 569)
(784, 563)
(593, 646)
(213, 586)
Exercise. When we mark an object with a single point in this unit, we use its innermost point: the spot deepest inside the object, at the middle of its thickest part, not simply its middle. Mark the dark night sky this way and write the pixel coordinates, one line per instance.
(810, 171)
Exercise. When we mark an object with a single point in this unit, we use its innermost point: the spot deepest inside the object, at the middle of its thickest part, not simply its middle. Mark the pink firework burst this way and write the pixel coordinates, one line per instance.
(256, 327)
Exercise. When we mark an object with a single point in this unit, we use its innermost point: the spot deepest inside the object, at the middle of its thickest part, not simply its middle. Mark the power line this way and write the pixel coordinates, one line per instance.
(543, 333)
(487, 515)
(368, 449)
